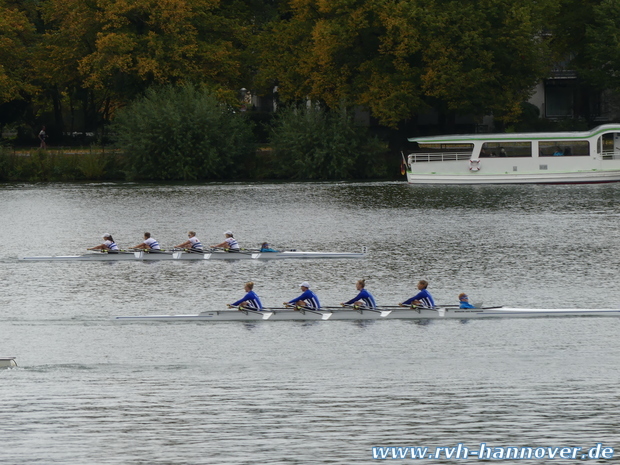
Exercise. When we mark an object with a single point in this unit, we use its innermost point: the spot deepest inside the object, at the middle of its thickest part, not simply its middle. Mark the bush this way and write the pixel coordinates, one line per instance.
(313, 143)
(183, 133)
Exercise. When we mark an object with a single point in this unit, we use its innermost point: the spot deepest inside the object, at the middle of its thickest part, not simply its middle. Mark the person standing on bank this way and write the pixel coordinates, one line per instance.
(42, 137)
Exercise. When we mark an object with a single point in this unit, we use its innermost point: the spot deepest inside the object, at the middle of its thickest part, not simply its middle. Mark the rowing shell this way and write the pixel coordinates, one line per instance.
(379, 314)
(212, 255)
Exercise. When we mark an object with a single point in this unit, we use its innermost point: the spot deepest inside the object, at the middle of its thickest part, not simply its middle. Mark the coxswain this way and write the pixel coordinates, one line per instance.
(108, 244)
(148, 244)
(364, 299)
(464, 301)
(422, 298)
(230, 243)
(192, 243)
(264, 247)
(307, 299)
(250, 300)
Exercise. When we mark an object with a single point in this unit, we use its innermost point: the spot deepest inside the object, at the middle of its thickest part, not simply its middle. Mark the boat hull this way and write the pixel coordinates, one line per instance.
(7, 362)
(587, 177)
(183, 256)
(388, 314)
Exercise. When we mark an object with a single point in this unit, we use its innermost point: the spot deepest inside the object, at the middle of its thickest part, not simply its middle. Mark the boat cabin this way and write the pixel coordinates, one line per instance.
(516, 155)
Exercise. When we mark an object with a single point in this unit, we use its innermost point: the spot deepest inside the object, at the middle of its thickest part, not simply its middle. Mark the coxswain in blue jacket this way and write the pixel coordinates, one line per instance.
(307, 299)
(265, 248)
(249, 300)
(364, 298)
(464, 301)
(191, 243)
(422, 298)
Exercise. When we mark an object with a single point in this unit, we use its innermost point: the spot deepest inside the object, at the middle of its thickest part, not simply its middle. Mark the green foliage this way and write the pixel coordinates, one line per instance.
(183, 133)
(312, 143)
(48, 165)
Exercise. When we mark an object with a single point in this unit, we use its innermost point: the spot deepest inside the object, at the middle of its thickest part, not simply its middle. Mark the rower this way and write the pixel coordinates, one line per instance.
(464, 301)
(422, 298)
(192, 243)
(148, 244)
(250, 300)
(230, 244)
(307, 299)
(108, 244)
(364, 299)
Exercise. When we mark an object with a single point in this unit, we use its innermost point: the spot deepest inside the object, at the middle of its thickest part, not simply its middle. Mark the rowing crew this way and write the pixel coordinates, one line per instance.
(192, 244)
(364, 299)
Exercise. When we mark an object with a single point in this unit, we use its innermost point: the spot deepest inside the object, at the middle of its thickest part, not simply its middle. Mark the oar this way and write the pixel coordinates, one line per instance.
(303, 309)
(222, 249)
(383, 313)
(246, 310)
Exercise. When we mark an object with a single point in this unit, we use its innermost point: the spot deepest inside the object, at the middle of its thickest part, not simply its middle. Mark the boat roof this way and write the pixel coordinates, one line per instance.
(524, 136)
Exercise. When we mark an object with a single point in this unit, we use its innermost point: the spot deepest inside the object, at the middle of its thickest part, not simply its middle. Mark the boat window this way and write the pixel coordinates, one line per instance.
(506, 149)
(441, 152)
(611, 146)
(580, 148)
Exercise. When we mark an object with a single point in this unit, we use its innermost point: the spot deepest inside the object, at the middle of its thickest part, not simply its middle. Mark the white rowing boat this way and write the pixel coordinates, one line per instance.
(7, 362)
(387, 313)
(207, 255)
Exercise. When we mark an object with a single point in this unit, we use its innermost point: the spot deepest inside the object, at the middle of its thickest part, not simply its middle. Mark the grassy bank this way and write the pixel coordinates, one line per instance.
(60, 164)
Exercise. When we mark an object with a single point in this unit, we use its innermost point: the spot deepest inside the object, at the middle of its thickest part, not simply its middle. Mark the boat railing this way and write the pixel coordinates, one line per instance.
(438, 156)
(611, 155)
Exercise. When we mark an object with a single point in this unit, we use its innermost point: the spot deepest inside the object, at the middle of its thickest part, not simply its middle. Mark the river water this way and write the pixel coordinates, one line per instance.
(89, 391)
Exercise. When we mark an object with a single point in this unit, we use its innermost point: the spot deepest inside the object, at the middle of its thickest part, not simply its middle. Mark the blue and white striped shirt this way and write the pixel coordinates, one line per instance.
(366, 297)
(312, 301)
(110, 245)
(232, 243)
(152, 243)
(196, 245)
(425, 298)
(251, 300)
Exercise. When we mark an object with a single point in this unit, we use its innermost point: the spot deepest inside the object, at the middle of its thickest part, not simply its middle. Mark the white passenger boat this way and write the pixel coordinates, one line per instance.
(528, 158)
(7, 362)
(207, 255)
(386, 313)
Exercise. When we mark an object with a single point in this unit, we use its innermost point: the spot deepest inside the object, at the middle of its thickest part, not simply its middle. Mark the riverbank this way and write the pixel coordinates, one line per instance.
(97, 163)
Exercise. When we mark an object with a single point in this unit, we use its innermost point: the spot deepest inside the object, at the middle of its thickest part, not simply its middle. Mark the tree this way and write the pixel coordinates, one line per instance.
(182, 133)
(312, 143)
(16, 36)
(397, 57)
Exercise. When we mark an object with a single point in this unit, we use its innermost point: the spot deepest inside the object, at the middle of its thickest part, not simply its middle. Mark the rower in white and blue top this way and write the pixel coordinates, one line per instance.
(422, 298)
(108, 244)
(364, 298)
(192, 243)
(148, 244)
(250, 300)
(230, 243)
(307, 299)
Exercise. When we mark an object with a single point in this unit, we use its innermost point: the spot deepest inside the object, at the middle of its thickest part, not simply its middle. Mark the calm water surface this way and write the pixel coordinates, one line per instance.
(89, 391)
